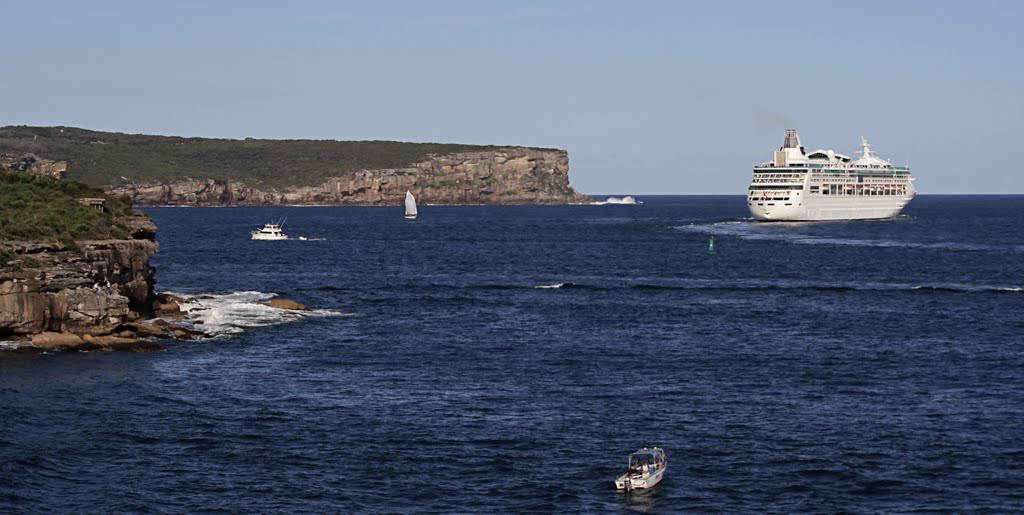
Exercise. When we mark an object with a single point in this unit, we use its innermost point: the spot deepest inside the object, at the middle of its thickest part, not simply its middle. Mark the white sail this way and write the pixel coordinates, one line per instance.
(410, 205)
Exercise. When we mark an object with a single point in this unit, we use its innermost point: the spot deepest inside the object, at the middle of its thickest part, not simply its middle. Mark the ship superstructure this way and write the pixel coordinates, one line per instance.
(826, 185)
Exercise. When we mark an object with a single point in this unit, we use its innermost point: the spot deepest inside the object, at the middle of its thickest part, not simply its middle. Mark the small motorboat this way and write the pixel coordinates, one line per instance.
(270, 232)
(646, 468)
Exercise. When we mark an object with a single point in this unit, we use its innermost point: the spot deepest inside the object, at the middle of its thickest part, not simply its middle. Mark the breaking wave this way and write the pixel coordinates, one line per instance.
(627, 200)
(220, 314)
(557, 286)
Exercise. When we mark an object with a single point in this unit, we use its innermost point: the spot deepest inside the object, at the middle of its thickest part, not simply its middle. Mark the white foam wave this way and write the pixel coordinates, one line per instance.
(231, 313)
(552, 286)
(627, 200)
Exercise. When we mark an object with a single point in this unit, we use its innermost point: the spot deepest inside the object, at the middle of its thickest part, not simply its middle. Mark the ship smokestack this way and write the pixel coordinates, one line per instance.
(792, 139)
(791, 152)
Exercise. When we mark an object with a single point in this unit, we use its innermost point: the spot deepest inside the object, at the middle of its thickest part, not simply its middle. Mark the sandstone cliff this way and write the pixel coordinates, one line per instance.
(90, 289)
(511, 175)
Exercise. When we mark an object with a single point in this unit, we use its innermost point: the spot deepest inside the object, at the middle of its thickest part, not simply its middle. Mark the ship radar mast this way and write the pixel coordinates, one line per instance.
(865, 148)
(868, 158)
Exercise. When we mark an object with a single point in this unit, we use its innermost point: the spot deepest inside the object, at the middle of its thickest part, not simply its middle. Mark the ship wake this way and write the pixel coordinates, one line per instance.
(788, 232)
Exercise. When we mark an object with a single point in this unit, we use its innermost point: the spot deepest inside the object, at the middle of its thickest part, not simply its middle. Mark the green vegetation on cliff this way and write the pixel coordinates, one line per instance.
(38, 209)
(110, 158)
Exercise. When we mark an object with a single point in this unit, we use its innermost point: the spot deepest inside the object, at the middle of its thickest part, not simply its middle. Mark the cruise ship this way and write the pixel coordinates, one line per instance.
(825, 185)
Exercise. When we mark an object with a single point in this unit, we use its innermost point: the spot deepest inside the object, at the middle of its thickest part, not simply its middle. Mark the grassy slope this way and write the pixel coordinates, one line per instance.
(102, 158)
(34, 209)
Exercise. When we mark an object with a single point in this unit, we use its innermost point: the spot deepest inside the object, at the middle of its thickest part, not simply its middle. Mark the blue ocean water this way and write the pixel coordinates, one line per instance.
(507, 359)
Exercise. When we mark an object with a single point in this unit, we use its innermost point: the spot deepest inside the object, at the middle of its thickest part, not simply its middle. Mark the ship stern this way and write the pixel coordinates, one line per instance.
(775, 212)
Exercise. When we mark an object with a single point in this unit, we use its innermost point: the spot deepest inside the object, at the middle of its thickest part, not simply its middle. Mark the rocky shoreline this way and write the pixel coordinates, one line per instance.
(168, 322)
(130, 335)
(91, 296)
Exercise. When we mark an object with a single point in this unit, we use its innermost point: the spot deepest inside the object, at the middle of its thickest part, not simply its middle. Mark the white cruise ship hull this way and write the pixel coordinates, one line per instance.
(806, 209)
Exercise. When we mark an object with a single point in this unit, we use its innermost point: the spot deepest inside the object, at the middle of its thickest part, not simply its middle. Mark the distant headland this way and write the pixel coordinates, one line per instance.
(170, 170)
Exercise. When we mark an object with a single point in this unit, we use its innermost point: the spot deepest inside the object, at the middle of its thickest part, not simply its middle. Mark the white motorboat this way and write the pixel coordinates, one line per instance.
(270, 232)
(410, 205)
(646, 468)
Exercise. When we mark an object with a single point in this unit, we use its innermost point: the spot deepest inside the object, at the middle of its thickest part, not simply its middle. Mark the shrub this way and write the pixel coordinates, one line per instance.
(36, 209)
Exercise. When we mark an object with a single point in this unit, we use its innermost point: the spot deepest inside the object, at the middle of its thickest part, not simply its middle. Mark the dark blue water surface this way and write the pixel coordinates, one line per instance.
(861, 366)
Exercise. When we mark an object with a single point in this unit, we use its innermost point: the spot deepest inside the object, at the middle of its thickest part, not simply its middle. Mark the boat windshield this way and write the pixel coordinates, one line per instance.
(645, 458)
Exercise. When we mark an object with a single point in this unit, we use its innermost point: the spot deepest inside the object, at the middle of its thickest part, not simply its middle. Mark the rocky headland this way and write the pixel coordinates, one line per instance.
(168, 170)
(74, 268)
(87, 295)
(506, 176)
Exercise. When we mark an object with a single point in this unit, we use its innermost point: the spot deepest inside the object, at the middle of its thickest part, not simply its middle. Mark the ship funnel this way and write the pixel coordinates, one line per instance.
(792, 139)
(791, 152)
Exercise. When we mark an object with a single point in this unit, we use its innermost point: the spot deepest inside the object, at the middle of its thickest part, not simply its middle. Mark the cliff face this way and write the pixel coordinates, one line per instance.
(89, 290)
(503, 176)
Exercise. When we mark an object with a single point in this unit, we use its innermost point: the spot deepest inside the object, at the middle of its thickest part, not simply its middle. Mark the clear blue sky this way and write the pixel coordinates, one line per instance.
(647, 96)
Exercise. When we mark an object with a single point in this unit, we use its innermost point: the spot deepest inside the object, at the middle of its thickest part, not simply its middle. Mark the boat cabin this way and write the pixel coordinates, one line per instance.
(646, 461)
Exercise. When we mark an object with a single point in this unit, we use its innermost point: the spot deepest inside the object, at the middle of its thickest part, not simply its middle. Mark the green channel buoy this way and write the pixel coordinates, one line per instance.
(711, 246)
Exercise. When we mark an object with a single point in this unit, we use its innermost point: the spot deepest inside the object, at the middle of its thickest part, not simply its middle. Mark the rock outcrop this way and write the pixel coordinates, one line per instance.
(35, 165)
(286, 304)
(511, 175)
(79, 292)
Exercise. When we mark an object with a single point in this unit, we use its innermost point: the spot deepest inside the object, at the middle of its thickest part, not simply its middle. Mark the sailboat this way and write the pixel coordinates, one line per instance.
(410, 205)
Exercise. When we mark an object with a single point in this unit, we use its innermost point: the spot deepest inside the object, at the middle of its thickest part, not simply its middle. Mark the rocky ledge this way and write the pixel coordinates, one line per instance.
(92, 295)
(512, 175)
